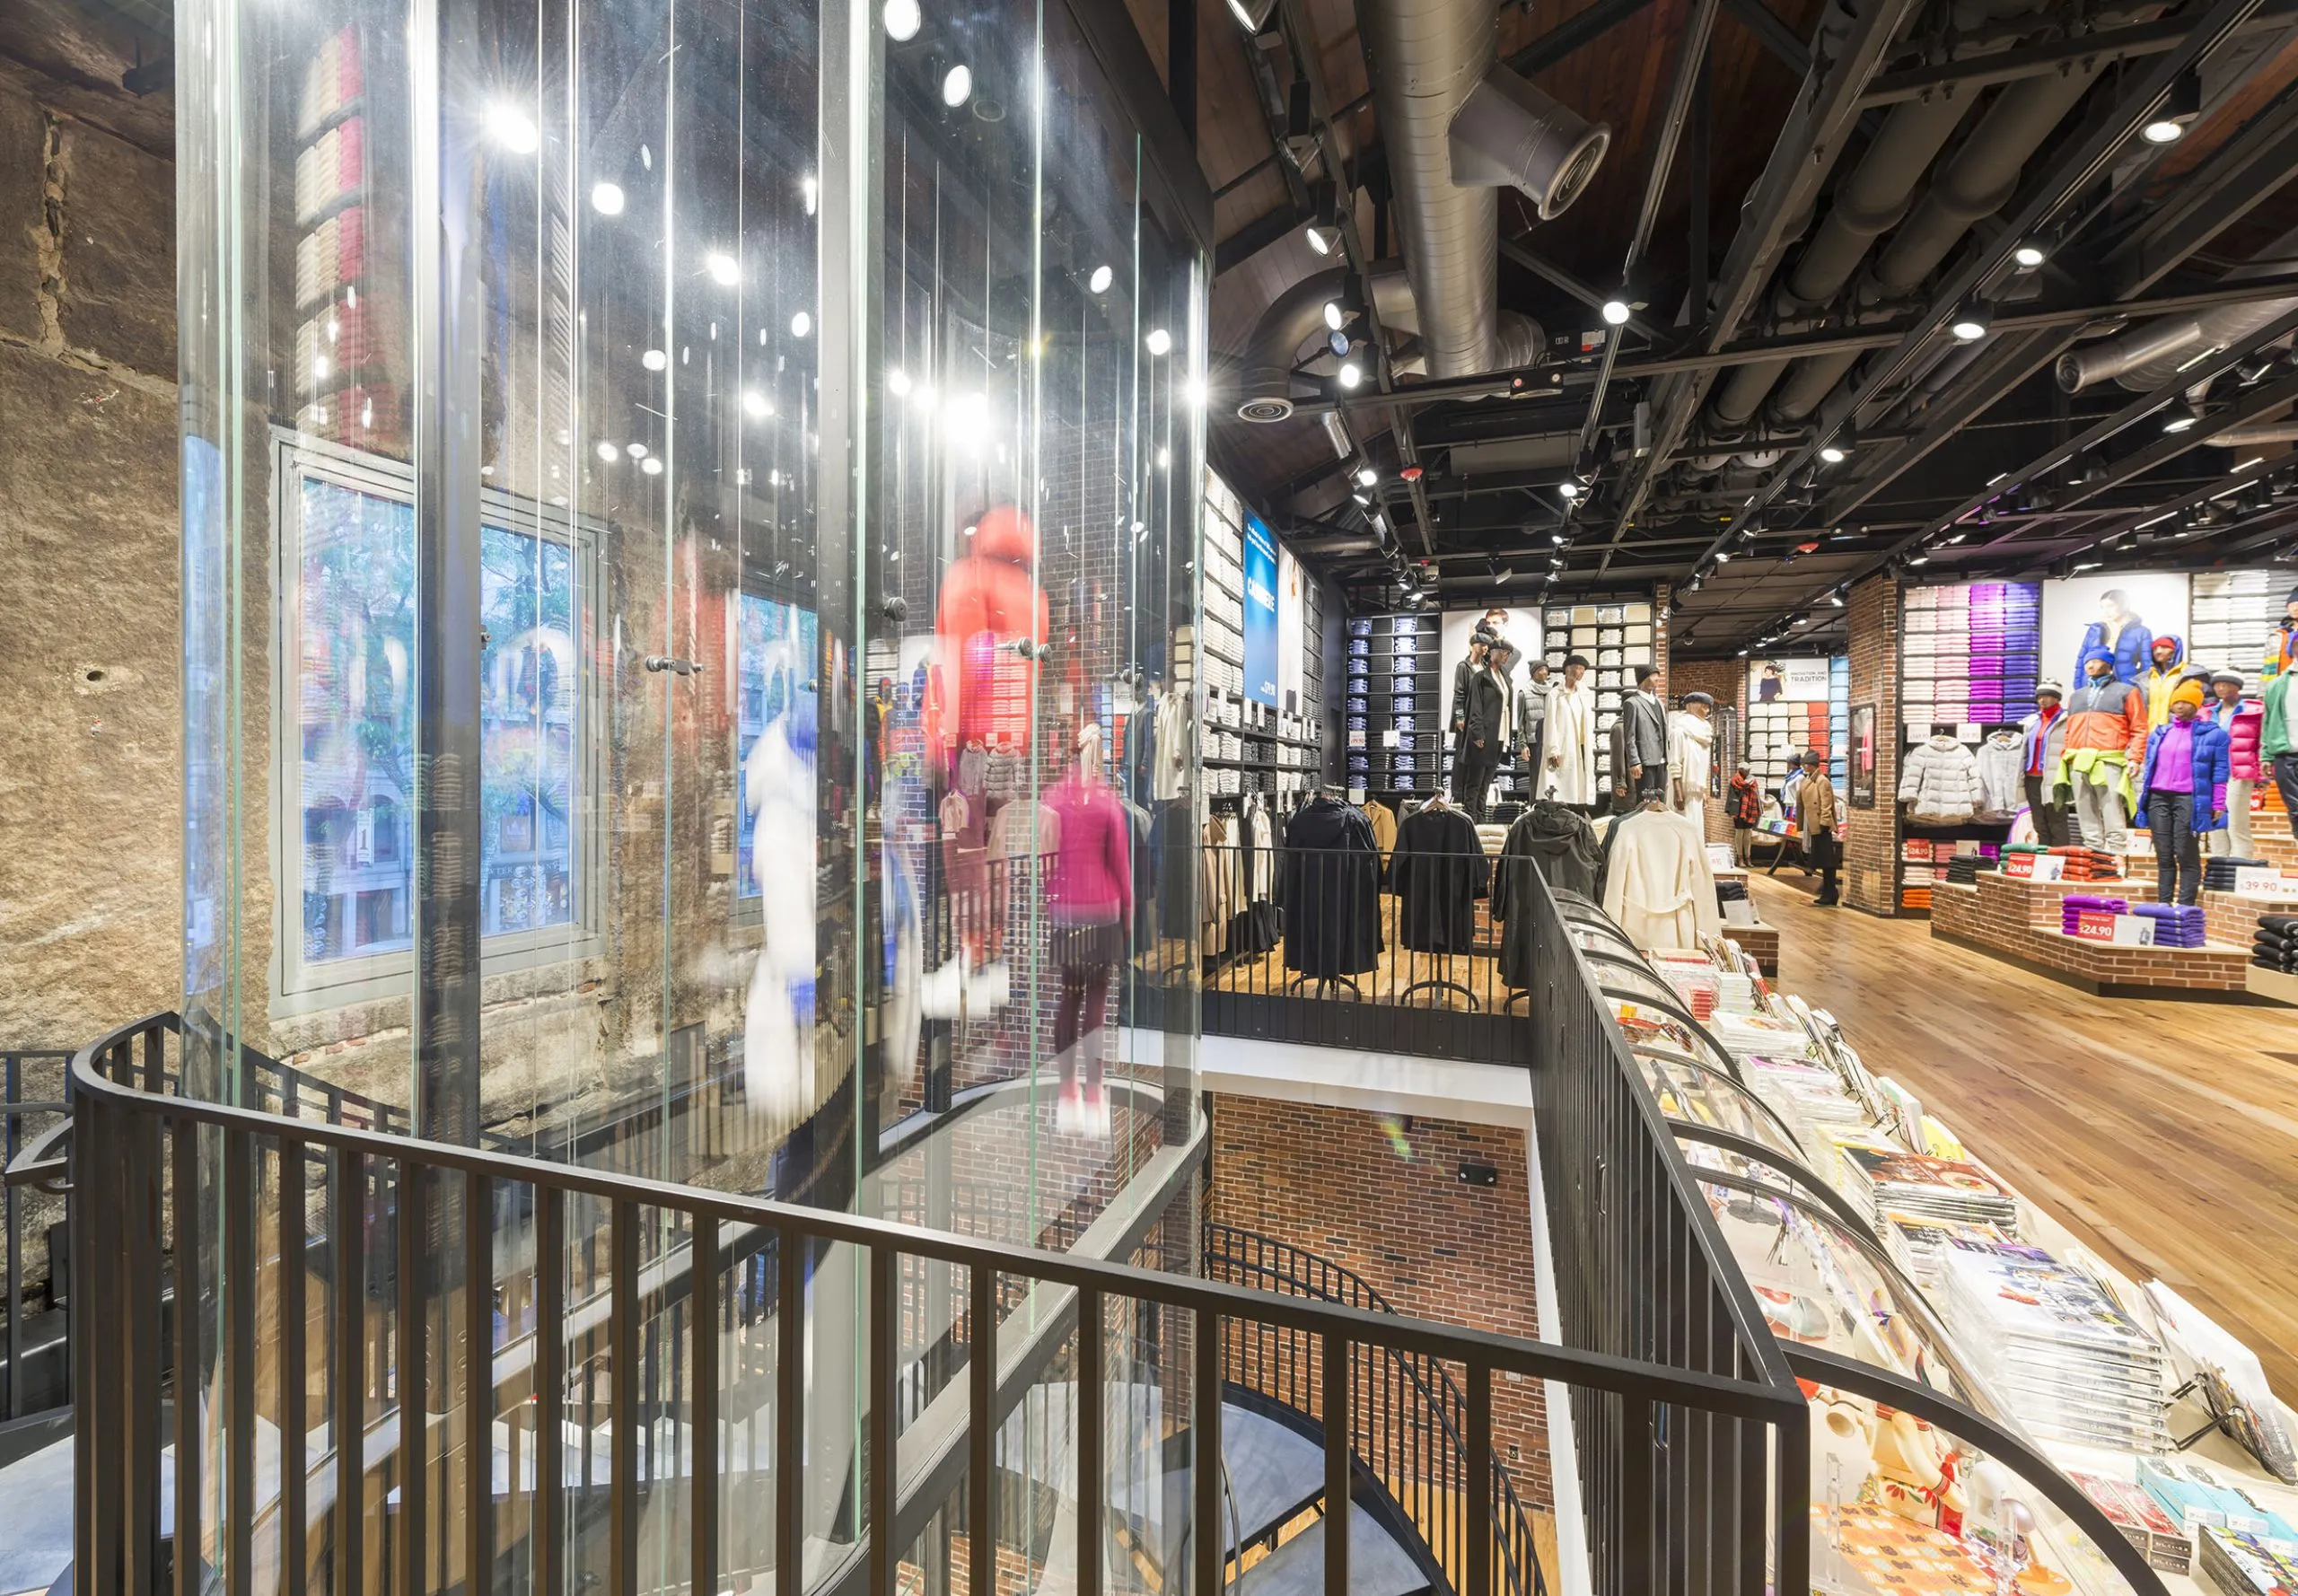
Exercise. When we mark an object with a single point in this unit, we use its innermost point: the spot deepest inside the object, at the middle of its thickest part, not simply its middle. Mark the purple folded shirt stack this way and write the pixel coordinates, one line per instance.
(2075, 903)
(2176, 924)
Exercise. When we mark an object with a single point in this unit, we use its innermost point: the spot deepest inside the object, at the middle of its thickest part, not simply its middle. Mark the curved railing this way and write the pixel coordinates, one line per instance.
(1408, 1434)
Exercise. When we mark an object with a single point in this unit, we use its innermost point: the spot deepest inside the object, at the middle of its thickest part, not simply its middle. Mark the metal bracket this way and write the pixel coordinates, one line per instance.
(657, 663)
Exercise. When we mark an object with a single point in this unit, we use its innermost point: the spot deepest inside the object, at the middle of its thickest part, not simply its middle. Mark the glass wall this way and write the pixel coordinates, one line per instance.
(689, 526)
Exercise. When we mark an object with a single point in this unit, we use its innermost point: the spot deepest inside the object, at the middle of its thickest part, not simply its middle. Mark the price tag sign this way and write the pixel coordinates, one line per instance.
(2135, 931)
(2262, 878)
(1388, 738)
(2049, 867)
(2097, 925)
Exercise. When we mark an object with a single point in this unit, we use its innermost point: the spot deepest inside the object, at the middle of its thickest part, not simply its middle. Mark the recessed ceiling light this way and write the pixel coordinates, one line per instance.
(1159, 341)
(1099, 283)
(902, 19)
(655, 360)
(605, 198)
(722, 267)
(957, 85)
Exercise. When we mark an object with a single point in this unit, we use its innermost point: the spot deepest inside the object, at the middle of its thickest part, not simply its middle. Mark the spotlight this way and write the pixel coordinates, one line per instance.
(1333, 315)
(652, 466)
(801, 324)
(1099, 283)
(722, 267)
(1836, 597)
(1158, 342)
(605, 198)
(2179, 111)
(1367, 476)
(1833, 453)
(1972, 321)
(755, 405)
(512, 128)
(2030, 255)
(1337, 342)
(1351, 374)
(1569, 489)
(1252, 15)
(1323, 240)
(957, 85)
(902, 19)
(1722, 557)
(898, 383)
(655, 360)
(2179, 418)
(608, 452)
(1615, 312)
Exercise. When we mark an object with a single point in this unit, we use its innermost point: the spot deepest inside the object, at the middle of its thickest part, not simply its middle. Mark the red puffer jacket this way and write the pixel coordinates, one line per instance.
(990, 600)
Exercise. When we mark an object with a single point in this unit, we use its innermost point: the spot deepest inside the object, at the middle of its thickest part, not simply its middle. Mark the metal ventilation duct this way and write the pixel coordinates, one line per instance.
(2151, 355)
(1511, 135)
(1265, 391)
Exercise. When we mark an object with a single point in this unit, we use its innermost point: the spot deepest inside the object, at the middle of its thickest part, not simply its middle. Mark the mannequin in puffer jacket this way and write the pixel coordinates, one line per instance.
(2244, 719)
(1939, 783)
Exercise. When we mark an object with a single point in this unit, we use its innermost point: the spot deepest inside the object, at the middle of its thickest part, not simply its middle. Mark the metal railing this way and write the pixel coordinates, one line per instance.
(24, 1121)
(1408, 1431)
(389, 1306)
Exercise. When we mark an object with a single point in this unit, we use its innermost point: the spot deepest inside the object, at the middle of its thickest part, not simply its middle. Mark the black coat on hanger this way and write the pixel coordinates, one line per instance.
(1437, 872)
(1329, 885)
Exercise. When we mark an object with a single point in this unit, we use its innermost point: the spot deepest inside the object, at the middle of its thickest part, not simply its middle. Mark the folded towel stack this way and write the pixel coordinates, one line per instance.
(2176, 925)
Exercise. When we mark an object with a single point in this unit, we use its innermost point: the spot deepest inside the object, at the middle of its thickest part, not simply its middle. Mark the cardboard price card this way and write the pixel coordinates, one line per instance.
(2095, 925)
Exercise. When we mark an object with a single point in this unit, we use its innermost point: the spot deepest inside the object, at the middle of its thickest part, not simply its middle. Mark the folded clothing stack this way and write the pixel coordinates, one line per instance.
(2176, 924)
(2088, 864)
(2274, 944)
(2071, 907)
(2218, 871)
(1962, 869)
(1731, 890)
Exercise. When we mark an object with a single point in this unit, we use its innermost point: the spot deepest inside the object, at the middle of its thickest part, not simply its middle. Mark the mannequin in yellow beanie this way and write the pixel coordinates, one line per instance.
(2183, 793)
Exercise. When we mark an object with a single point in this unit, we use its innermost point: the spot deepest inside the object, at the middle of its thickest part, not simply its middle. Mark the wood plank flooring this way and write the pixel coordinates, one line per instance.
(2164, 1134)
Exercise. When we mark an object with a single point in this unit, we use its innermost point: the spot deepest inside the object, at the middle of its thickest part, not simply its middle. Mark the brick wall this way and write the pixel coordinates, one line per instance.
(1872, 838)
(2021, 921)
(1382, 1195)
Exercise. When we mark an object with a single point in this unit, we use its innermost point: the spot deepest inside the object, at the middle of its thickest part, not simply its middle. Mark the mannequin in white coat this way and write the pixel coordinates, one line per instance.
(1691, 738)
(1568, 773)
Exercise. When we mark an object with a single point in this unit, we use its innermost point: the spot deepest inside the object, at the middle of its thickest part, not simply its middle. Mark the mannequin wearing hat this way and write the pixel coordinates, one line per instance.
(2106, 738)
(2243, 719)
(1568, 771)
(1691, 739)
(2183, 793)
(2281, 646)
(2045, 734)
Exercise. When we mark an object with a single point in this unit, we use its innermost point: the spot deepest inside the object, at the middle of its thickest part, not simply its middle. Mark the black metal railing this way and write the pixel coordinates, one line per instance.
(1407, 1428)
(31, 1102)
(424, 1279)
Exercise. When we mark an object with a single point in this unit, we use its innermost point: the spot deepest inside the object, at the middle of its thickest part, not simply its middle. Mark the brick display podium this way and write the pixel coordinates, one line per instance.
(2020, 921)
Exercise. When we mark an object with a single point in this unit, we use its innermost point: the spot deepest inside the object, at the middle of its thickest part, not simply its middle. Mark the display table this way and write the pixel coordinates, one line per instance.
(1759, 940)
(2270, 983)
(2020, 921)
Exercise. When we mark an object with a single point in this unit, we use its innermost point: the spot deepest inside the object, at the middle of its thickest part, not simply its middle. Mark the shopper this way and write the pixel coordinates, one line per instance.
(2106, 738)
(2183, 793)
(1690, 757)
(1816, 795)
(2045, 732)
(1746, 809)
(1569, 774)
(2278, 742)
(2241, 719)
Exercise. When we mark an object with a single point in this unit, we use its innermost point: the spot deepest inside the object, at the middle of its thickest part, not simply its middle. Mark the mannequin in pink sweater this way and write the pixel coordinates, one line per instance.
(1088, 901)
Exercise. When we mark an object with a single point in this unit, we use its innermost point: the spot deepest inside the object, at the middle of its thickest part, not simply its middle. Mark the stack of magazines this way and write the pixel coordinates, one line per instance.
(1926, 1187)
(1919, 1246)
(2074, 1366)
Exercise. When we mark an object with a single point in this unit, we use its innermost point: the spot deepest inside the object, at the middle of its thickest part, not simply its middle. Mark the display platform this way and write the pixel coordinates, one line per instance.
(2022, 922)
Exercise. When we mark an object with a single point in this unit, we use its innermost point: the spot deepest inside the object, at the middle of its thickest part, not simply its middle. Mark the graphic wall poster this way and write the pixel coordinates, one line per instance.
(1291, 612)
(1520, 627)
(2122, 614)
(1863, 756)
(1778, 681)
(778, 698)
(1261, 612)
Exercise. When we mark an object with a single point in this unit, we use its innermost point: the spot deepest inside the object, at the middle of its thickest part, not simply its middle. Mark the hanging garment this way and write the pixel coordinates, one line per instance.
(1168, 777)
(1658, 888)
(1691, 741)
(990, 601)
(1939, 783)
(1560, 844)
(1383, 821)
(1437, 874)
(1568, 771)
(2001, 778)
(1329, 886)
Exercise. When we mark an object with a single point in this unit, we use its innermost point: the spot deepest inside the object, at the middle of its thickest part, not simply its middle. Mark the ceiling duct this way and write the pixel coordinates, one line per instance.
(2151, 355)
(1509, 135)
(1265, 391)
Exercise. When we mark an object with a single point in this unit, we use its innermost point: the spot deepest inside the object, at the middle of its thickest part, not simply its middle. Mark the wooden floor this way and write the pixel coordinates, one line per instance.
(2163, 1134)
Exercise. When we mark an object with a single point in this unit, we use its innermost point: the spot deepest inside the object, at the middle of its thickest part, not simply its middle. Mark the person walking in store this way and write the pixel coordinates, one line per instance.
(2045, 732)
(1568, 776)
(1479, 727)
(2183, 793)
(2106, 738)
(1815, 795)
(1640, 742)
(1691, 741)
(2169, 668)
(2278, 743)
(2242, 720)
(1746, 809)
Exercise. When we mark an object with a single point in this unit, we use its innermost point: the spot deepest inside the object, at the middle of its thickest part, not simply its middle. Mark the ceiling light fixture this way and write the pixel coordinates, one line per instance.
(1833, 453)
(1615, 312)
(2179, 418)
(1321, 239)
(605, 198)
(902, 20)
(1366, 476)
(1158, 342)
(756, 405)
(724, 268)
(957, 85)
(1972, 321)
(1351, 374)
(1569, 489)
(1334, 317)
(1099, 283)
(2179, 108)
(2030, 255)
(512, 128)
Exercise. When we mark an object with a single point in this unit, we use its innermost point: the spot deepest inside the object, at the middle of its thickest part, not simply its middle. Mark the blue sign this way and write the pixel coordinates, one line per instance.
(1261, 613)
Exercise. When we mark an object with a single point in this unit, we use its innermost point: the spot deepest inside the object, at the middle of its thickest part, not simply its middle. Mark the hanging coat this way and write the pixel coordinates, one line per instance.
(1558, 843)
(1658, 888)
(1330, 891)
(990, 601)
(1437, 874)
(1568, 770)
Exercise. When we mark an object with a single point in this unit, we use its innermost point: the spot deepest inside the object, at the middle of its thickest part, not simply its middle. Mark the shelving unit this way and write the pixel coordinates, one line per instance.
(1249, 747)
(1394, 706)
(1970, 656)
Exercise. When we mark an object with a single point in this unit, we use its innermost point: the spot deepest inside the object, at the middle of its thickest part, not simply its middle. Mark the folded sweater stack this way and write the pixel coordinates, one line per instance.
(2218, 871)
(1962, 869)
(2176, 924)
(2071, 905)
(2088, 864)
(2274, 944)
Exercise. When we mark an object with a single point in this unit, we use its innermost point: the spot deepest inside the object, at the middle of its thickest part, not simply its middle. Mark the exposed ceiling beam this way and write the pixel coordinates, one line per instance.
(2108, 44)
(1257, 234)
(1772, 34)
(1574, 33)
(2250, 166)
(1579, 288)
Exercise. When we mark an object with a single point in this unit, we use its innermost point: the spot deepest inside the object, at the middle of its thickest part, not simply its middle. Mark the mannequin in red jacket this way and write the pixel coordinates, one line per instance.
(990, 604)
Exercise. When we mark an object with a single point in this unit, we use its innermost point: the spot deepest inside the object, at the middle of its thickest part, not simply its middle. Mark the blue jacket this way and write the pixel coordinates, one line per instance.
(2133, 650)
(2211, 766)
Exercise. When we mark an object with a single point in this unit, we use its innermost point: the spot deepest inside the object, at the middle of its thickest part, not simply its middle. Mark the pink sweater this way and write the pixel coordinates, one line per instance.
(1091, 883)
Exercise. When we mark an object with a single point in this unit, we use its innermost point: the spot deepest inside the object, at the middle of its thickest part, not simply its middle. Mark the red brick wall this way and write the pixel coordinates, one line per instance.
(1872, 838)
(1382, 1195)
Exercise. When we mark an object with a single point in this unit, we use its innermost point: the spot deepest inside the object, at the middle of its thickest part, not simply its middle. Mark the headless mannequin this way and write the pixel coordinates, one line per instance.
(1089, 897)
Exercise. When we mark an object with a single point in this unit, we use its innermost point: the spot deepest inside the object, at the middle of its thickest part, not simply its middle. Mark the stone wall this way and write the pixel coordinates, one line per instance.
(90, 772)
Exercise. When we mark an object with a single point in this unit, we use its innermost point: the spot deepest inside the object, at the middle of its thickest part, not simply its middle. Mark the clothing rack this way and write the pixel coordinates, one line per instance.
(1443, 984)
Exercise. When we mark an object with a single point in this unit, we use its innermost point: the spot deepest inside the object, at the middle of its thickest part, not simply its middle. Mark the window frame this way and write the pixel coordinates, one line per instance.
(303, 986)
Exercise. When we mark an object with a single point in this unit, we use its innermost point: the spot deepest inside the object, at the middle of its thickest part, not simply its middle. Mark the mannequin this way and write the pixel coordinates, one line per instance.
(2278, 741)
(2043, 744)
(2183, 793)
(1691, 741)
(2243, 722)
(990, 630)
(1532, 715)
(2163, 672)
(1089, 905)
(1640, 742)
(778, 1075)
(2282, 646)
(1569, 773)
(1479, 725)
(2106, 736)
